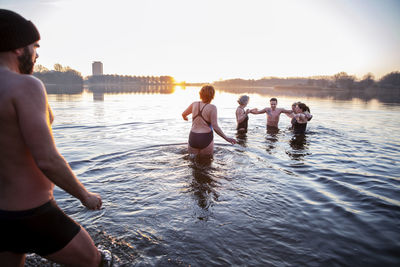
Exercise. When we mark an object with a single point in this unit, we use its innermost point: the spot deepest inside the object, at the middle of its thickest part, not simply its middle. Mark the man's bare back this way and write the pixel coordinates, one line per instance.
(22, 183)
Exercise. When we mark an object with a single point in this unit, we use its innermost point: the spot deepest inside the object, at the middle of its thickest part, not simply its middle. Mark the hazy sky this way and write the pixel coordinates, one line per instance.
(208, 40)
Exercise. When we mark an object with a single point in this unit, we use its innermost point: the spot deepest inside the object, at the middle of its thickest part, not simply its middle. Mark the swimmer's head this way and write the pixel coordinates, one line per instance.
(303, 107)
(273, 102)
(207, 93)
(243, 100)
(294, 105)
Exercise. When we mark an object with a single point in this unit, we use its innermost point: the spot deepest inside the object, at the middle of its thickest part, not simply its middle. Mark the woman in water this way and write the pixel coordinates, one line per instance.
(301, 116)
(291, 115)
(241, 113)
(204, 121)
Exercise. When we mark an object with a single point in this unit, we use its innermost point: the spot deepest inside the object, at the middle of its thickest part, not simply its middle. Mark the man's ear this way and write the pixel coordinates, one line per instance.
(18, 51)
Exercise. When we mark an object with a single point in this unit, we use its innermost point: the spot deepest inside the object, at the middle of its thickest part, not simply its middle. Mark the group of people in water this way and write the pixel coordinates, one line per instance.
(205, 121)
(299, 114)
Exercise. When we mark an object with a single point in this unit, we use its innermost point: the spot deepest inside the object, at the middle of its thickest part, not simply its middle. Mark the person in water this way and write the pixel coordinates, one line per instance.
(204, 121)
(273, 114)
(30, 164)
(301, 116)
(291, 115)
(242, 117)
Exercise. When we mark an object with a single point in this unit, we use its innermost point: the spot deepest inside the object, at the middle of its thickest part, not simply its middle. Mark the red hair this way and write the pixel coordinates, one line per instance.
(207, 93)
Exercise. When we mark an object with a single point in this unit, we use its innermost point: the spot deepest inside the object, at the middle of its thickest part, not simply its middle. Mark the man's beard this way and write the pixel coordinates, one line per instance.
(25, 63)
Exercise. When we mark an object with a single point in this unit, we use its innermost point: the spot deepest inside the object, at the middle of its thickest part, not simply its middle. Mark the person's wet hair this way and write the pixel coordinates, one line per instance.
(273, 99)
(295, 104)
(243, 99)
(303, 107)
(207, 93)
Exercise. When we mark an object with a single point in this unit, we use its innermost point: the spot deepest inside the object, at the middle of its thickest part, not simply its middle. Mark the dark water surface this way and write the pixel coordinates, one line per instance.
(330, 198)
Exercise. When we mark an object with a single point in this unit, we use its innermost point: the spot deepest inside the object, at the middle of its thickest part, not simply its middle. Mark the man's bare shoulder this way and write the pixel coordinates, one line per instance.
(25, 86)
(31, 82)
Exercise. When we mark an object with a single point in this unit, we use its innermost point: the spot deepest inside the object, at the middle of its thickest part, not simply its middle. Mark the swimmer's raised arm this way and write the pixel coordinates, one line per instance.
(252, 110)
(256, 111)
(286, 111)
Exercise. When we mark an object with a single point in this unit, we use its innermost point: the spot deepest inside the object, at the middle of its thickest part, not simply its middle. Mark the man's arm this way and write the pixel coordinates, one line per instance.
(256, 111)
(34, 121)
(286, 111)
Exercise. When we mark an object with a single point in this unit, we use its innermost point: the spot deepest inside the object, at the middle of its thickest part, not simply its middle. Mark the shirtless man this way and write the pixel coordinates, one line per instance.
(273, 114)
(30, 165)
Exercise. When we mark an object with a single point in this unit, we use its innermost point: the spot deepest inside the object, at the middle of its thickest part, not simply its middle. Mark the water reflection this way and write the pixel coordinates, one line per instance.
(98, 96)
(132, 88)
(203, 185)
(64, 89)
(271, 130)
(299, 145)
(241, 137)
(99, 90)
(271, 138)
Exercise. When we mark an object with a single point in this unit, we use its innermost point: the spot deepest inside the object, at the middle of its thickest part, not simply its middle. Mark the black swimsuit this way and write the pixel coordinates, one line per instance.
(201, 140)
(243, 124)
(299, 128)
(293, 121)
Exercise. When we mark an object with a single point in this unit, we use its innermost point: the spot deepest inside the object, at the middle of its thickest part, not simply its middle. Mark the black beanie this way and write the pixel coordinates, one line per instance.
(15, 31)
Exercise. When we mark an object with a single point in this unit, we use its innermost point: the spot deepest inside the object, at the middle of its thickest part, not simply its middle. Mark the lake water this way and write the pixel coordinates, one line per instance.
(331, 198)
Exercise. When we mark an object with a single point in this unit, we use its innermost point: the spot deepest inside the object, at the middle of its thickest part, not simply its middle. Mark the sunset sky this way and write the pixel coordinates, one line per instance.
(208, 40)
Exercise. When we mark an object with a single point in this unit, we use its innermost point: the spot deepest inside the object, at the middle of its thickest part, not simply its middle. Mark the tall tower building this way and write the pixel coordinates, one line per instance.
(97, 68)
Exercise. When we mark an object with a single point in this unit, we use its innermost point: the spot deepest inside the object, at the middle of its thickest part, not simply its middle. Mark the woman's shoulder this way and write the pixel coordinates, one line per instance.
(211, 106)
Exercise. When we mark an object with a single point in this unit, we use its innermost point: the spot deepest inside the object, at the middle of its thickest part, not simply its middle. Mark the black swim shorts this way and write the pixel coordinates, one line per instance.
(42, 230)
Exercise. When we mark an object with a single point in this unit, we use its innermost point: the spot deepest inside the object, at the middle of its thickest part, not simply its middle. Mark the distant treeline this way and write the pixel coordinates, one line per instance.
(67, 76)
(59, 76)
(127, 79)
(340, 81)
